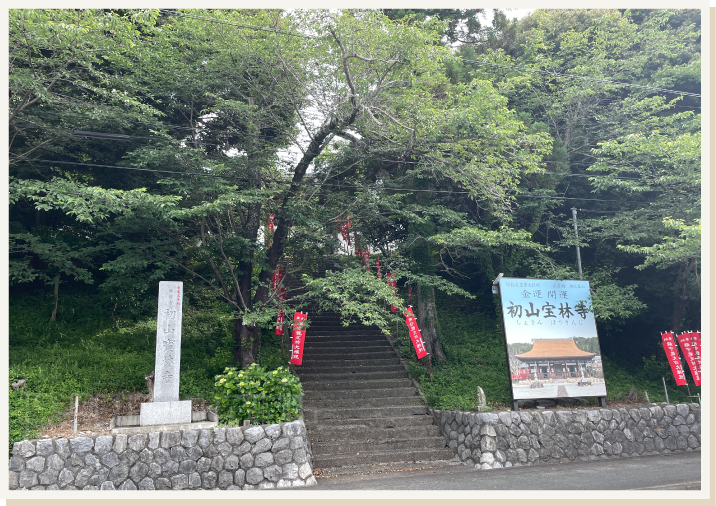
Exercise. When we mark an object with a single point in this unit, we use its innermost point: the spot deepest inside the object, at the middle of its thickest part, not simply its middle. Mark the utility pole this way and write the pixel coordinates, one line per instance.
(576, 235)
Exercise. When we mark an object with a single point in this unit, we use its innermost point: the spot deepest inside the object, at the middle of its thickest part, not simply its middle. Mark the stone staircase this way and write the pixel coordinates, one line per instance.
(361, 410)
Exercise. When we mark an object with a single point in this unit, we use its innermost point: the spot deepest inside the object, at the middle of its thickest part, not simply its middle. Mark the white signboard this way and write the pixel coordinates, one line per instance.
(551, 337)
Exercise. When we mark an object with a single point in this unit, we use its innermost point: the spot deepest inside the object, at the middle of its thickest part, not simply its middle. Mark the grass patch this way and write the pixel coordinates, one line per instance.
(90, 350)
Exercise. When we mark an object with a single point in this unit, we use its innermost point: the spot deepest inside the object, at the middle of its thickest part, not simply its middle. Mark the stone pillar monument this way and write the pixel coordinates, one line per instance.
(167, 408)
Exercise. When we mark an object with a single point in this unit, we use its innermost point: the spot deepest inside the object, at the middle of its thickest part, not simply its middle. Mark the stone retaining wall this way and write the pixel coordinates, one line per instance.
(510, 438)
(226, 458)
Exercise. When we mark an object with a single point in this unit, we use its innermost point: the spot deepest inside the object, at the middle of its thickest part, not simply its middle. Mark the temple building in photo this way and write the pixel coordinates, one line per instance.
(558, 359)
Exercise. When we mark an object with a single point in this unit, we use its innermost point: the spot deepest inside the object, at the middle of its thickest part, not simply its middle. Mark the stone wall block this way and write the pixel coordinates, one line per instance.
(239, 477)
(208, 480)
(129, 457)
(120, 443)
(225, 479)
(137, 442)
(219, 435)
(170, 438)
(153, 443)
(189, 437)
(234, 435)
(146, 484)
(224, 449)
(36, 464)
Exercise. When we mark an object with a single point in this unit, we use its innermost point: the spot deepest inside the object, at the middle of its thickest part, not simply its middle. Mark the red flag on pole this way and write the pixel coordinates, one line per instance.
(414, 332)
(298, 337)
(270, 229)
(377, 264)
(688, 351)
(410, 293)
(392, 282)
(672, 354)
(696, 341)
(366, 258)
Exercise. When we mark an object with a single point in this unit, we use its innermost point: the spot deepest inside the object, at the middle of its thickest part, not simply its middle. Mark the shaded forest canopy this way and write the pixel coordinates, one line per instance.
(147, 145)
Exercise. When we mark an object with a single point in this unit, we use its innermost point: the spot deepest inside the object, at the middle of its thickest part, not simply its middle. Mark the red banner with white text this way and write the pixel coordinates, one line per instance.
(672, 354)
(414, 332)
(688, 350)
(298, 336)
(696, 341)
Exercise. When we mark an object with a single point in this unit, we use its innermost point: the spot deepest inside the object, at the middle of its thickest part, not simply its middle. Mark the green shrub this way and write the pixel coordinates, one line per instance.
(258, 395)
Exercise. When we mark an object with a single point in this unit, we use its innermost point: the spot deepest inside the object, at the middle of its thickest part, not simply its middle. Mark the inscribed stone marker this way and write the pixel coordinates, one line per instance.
(167, 408)
(168, 351)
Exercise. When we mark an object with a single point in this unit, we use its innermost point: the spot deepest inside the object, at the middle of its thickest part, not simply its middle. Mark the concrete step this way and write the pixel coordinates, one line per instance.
(365, 402)
(320, 414)
(347, 346)
(353, 376)
(354, 433)
(377, 457)
(378, 393)
(336, 369)
(356, 385)
(312, 362)
(333, 337)
(389, 422)
(388, 467)
(355, 355)
(378, 445)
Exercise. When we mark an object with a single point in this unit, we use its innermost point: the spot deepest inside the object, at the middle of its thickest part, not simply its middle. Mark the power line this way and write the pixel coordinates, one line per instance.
(310, 183)
(594, 79)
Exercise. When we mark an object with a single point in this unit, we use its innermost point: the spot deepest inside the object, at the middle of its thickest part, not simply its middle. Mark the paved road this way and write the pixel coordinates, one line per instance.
(678, 471)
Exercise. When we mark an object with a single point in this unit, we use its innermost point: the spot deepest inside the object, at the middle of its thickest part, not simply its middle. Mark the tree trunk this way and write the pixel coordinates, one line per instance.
(57, 292)
(246, 338)
(680, 299)
(427, 317)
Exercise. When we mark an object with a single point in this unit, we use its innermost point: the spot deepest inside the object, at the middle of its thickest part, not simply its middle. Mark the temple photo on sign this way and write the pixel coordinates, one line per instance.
(551, 337)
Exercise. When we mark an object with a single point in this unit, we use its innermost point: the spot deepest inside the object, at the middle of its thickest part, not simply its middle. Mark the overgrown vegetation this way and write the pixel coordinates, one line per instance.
(91, 349)
(474, 346)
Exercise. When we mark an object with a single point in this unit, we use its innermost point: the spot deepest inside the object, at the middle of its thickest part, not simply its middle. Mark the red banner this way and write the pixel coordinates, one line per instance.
(270, 229)
(392, 282)
(377, 264)
(298, 337)
(345, 229)
(688, 351)
(696, 341)
(366, 257)
(410, 293)
(672, 354)
(414, 332)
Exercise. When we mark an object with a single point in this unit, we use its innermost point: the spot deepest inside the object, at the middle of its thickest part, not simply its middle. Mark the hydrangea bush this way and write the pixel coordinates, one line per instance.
(257, 395)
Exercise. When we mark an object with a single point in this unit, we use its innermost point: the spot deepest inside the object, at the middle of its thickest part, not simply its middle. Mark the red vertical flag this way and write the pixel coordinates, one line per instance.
(672, 354)
(414, 332)
(392, 282)
(696, 341)
(298, 337)
(688, 351)
(410, 293)
(377, 264)
(270, 228)
(366, 258)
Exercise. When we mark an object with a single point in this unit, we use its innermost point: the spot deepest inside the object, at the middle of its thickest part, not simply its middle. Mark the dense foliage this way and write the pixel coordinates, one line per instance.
(155, 144)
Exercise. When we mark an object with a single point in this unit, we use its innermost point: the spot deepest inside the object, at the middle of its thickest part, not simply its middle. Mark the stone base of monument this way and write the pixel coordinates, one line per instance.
(130, 424)
(163, 413)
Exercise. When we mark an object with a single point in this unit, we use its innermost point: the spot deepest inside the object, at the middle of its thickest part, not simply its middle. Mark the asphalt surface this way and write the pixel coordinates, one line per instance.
(678, 471)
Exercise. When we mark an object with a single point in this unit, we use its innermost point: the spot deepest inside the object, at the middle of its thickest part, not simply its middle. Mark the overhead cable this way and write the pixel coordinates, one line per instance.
(310, 183)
